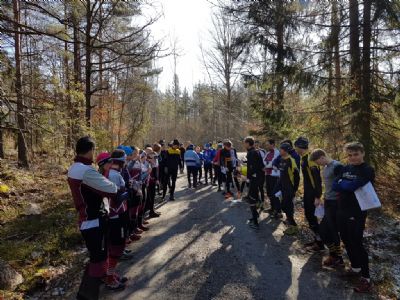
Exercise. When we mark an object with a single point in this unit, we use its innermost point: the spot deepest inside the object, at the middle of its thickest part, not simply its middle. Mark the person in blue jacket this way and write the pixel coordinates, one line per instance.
(192, 161)
(200, 166)
(208, 155)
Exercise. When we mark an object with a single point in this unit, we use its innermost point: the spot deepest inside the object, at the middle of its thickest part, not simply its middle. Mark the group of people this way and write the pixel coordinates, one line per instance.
(328, 186)
(116, 200)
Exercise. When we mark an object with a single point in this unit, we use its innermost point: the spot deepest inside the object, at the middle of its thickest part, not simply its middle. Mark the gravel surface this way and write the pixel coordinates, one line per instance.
(201, 248)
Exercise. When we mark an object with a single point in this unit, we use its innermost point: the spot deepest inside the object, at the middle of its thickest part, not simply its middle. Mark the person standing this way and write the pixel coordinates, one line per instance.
(173, 164)
(287, 186)
(182, 150)
(164, 182)
(192, 161)
(217, 166)
(271, 178)
(351, 219)
(255, 173)
(88, 188)
(312, 190)
(200, 164)
(208, 155)
(328, 227)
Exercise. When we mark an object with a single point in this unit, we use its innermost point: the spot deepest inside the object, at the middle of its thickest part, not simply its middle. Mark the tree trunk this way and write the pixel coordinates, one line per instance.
(22, 149)
(279, 64)
(355, 70)
(365, 107)
(69, 144)
(88, 65)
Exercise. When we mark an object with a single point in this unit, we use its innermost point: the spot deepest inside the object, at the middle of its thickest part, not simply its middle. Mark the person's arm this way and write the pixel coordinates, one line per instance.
(316, 174)
(343, 185)
(250, 164)
(296, 177)
(276, 161)
(99, 184)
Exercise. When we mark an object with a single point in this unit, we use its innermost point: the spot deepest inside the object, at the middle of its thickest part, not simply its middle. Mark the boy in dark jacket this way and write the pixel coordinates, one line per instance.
(351, 219)
(255, 174)
(312, 190)
(173, 164)
(287, 186)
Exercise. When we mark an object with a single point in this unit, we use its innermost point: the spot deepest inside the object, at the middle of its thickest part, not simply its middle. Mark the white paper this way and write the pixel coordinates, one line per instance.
(278, 194)
(367, 197)
(319, 211)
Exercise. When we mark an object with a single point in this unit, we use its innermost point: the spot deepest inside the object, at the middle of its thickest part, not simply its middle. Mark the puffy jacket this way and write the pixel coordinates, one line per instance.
(192, 159)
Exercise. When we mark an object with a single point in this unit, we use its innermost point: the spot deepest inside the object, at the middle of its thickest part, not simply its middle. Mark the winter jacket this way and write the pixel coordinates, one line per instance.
(192, 159)
(208, 156)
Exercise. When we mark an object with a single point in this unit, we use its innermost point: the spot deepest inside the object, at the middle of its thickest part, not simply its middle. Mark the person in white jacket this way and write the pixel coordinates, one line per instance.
(271, 177)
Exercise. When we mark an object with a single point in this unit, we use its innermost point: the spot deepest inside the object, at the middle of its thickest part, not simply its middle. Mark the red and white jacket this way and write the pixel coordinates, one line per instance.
(88, 188)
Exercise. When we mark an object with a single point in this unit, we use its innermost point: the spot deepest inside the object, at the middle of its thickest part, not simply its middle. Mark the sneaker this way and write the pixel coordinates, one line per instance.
(121, 279)
(134, 237)
(333, 262)
(239, 195)
(219, 189)
(254, 225)
(126, 256)
(144, 228)
(291, 230)
(315, 247)
(144, 223)
(228, 195)
(113, 284)
(137, 231)
(364, 286)
(350, 274)
(154, 215)
(171, 198)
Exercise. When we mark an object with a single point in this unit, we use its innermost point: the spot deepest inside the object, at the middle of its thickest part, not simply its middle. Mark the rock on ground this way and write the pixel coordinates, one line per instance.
(9, 278)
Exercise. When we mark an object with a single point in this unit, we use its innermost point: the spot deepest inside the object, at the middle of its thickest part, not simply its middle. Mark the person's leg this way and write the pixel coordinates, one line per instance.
(345, 235)
(195, 172)
(261, 182)
(253, 199)
(309, 211)
(96, 243)
(288, 207)
(116, 248)
(200, 172)
(174, 175)
(270, 184)
(188, 174)
(152, 197)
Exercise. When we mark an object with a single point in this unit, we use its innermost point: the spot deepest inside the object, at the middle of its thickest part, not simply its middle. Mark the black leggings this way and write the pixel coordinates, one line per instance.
(328, 228)
(351, 229)
(151, 195)
(309, 211)
(96, 240)
(261, 182)
(271, 183)
(191, 172)
(172, 176)
(208, 171)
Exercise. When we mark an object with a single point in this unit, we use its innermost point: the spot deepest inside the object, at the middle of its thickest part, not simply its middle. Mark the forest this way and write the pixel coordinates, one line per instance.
(326, 70)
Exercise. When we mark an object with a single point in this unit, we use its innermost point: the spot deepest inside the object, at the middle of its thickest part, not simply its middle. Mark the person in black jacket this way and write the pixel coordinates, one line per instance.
(173, 164)
(163, 168)
(351, 219)
(312, 190)
(255, 173)
(183, 150)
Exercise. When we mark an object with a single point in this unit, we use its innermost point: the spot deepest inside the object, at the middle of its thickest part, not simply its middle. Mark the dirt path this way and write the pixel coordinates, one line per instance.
(201, 248)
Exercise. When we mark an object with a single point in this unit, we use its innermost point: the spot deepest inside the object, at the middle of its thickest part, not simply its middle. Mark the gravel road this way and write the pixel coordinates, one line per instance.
(201, 248)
